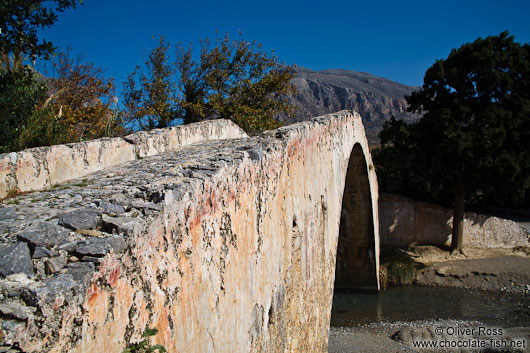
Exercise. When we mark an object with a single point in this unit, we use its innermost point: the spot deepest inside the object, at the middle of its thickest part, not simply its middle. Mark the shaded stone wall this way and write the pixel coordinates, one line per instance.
(42, 167)
(356, 254)
(405, 221)
(223, 246)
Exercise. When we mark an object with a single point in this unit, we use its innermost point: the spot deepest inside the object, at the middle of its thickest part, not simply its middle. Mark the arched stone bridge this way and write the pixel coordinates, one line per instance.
(226, 245)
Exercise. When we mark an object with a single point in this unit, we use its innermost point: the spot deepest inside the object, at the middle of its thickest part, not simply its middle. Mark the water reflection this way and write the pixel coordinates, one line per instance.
(352, 308)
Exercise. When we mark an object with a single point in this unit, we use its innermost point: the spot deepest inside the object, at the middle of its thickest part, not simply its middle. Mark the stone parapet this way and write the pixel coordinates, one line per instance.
(42, 167)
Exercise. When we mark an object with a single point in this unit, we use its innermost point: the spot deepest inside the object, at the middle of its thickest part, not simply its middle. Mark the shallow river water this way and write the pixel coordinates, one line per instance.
(352, 308)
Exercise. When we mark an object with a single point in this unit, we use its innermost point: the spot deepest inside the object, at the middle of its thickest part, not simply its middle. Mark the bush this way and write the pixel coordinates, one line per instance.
(144, 346)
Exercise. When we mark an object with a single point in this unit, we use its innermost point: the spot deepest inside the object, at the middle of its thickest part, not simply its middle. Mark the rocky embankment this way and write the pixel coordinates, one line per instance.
(376, 99)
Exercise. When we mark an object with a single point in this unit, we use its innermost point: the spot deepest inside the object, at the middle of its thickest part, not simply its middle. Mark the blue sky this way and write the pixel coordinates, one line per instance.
(394, 39)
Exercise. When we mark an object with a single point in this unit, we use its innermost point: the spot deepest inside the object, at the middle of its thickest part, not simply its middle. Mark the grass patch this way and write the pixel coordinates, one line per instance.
(83, 183)
(58, 187)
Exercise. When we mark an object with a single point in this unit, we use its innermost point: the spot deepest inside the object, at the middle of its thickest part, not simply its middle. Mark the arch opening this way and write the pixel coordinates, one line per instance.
(356, 254)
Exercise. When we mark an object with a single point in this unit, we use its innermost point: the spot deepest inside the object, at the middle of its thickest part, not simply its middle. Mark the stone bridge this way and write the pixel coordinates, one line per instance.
(223, 242)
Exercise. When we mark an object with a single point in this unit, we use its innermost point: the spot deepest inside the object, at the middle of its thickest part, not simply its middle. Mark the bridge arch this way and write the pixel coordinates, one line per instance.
(357, 263)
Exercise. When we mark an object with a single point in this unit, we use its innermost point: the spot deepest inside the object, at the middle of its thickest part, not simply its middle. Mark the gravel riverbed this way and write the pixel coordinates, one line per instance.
(406, 336)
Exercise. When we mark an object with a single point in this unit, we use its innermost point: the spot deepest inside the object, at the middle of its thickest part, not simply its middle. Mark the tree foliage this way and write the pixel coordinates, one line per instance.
(20, 20)
(474, 139)
(236, 80)
(231, 79)
(36, 110)
(82, 98)
(20, 93)
(150, 99)
(76, 104)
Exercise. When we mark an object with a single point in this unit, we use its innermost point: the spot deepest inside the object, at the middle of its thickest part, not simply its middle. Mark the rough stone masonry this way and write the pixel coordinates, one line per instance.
(223, 246)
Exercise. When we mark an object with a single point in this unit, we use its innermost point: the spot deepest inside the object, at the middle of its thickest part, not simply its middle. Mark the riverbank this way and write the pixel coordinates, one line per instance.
(484, 269)
(491, 270)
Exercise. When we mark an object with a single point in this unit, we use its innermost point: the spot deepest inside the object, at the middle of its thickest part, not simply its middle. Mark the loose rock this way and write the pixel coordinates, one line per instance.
(111, 208)
(55, 264)
(16, 259)
(41, 252)
(80, 219)
(58, 285)
(140, 204)
(16, 311)
(80, 270)
(45, 235)
(100, 247)
(128, 226)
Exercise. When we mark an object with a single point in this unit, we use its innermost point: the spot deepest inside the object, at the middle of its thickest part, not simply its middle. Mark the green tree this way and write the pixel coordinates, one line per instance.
(20, 92)
(73, 105)
(26, 118)
(232, 79)
(150, 99)
(235, 80)
(20, 20)
(474, 137)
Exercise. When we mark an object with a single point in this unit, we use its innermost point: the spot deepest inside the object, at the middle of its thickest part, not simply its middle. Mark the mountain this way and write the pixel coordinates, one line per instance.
(327, 91)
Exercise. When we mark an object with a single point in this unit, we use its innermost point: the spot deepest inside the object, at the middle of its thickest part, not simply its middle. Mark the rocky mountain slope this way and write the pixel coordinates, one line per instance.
(328, 91)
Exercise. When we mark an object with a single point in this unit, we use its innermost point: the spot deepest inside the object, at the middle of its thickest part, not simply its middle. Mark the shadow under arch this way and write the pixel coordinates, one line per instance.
(356, 266)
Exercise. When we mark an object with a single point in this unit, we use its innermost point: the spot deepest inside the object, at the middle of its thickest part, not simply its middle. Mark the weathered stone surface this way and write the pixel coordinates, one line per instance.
(68, 246)
(141, 204)
(236, 252)
(81, 219)
(17, 282)
(42, 167)
(405, 221)
(9, 325)
(62, 285)
(15, 259)
(55, 264)
(163, 140)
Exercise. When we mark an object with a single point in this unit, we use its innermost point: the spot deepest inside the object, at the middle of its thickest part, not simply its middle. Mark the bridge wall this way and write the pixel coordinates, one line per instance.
(231, 247)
